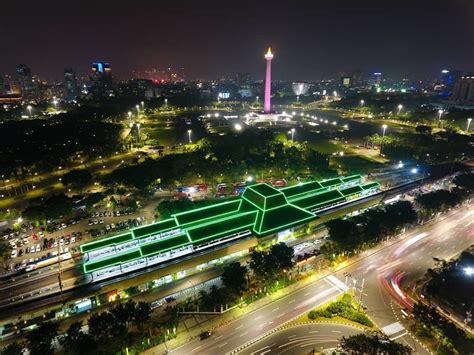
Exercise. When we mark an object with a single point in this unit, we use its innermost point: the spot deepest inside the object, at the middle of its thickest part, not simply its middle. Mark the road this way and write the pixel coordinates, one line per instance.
(301, 339)
(411, 249)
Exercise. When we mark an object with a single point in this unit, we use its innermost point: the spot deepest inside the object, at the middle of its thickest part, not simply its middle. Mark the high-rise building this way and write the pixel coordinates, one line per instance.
(28, 86)
(70, 84)
(448, 79)
(463, 91)
(375, 79)
(101, 79)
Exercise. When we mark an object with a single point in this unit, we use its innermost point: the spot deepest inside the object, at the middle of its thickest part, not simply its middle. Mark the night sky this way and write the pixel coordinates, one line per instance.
(311, 39)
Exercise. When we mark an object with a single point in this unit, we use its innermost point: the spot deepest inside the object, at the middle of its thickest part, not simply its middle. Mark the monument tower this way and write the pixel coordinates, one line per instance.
(267, 107)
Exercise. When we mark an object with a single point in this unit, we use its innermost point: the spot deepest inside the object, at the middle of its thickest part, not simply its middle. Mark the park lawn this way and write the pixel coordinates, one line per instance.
(353, 163)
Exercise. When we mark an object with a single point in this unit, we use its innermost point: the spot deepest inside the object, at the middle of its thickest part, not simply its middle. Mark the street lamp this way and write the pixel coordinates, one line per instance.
(400, 109)
(256, 99)
(468, 124)
(469, 271)
(29, 109)
(138, 130)
(238, 127)
(440, 113)
(292, 132)
(362, 102)
(143, 105)
(55, 103)
(130, 115)
(384, 127)
(189, 135)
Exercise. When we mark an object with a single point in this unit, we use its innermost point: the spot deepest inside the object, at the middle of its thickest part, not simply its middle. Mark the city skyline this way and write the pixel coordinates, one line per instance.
(315, 41)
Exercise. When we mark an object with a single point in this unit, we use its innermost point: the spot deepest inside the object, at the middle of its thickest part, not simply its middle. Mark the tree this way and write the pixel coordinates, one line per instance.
(281, 256)
(53, 207)
(234, 277)
(259, 264)
(40, 340)
(75, 341)
(124, 313)
(465, 182)
(373, 343)
(77, 178)
(423, 129)
(438, 200)
(345, 234)
(141, 314)
(12, 349)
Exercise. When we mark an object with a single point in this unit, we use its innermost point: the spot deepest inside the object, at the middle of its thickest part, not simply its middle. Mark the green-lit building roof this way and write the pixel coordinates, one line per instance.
(261, 210)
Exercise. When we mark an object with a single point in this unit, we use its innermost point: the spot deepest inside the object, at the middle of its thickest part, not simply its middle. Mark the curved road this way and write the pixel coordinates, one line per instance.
(449, 234)
(301, 339)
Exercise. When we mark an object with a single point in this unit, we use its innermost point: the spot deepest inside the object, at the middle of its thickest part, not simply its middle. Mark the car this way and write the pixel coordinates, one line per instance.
(205, 335)
(91, 222)
(20, 252)
(55, 244)
(73, 239)
(38, 248)
(25, 241)
(63, 225)
(13, 254)
(107, 227)
(101, 221)
(27, 250)
(96, 221)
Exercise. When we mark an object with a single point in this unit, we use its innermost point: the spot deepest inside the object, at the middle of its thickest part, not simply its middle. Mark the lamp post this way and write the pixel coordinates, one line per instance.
(468, 124)
(189, 136)
(143, 105)
(256, 99)
(29, 109)
(129, 115)
(138, 131)
(384, 127)
(440, 113)
(55, 103)
(400, 109)
(362, 102)
(166, 102)
(292, 132)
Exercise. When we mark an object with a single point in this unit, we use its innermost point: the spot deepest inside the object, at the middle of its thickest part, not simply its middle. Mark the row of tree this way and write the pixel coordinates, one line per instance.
(428, 322)
(441, 200)
(107, 333)
(353, 235)
(265, 267)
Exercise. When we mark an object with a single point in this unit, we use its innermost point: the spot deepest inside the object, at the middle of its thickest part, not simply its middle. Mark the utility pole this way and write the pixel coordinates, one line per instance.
(361, 292)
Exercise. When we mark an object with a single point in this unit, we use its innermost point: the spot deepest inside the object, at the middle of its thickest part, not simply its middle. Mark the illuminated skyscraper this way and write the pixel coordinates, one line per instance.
(70, 83)
(101, 79)
(268, 82)
(28, 86)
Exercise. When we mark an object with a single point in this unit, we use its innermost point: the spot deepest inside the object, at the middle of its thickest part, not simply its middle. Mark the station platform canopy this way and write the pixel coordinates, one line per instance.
(260, 211)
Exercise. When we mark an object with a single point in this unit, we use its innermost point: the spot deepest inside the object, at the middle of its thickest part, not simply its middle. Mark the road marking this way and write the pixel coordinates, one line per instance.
(220, 336)
(280, 315)
(199, 347)
(306, 294)
(399, 336)
(222, 344)
(276, 309)
(293, 300)
(260, 350)
(240, 326)
(291, 336)
(314, 331)
(244, 333)
(257, 318)
(267, 351)
(335, 331)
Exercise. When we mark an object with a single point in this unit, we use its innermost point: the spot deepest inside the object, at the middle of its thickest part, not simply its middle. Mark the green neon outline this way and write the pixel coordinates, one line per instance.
(106, 239)
(154, 224)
